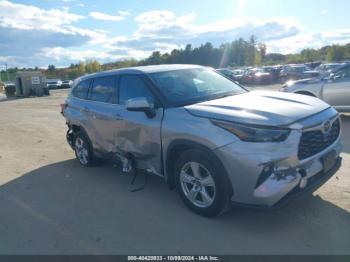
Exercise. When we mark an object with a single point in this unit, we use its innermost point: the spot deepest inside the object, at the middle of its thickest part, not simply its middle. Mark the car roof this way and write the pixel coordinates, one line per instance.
(302, 65)
(142, 70)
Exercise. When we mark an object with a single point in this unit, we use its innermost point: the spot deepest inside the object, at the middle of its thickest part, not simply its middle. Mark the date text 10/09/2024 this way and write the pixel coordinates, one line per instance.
(173, 258)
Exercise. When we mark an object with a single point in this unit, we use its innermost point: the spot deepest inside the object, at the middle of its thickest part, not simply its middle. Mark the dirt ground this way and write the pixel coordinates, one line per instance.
(49, 204)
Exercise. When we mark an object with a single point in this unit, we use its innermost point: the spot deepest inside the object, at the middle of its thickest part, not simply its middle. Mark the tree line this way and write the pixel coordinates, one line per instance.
(237, 53)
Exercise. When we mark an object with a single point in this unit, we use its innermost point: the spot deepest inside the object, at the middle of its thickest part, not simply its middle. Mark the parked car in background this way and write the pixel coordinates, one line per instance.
(313, 65)
(210, 138)
(238, 74)
(274, 72)
(233, 74)
(326, 69)
(54, 83)
(67, 84)
(10, 88)
(333, 89)
(257, 76)
(295, 72)
(9, 83)
(226, 72)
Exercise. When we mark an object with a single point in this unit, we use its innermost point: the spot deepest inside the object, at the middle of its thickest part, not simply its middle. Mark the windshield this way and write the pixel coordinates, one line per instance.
(189, 86)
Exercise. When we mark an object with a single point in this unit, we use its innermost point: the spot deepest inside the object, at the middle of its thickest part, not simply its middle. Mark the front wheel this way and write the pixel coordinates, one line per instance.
(202, 183)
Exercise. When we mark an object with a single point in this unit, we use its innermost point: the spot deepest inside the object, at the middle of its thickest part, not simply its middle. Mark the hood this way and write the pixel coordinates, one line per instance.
(260, 108)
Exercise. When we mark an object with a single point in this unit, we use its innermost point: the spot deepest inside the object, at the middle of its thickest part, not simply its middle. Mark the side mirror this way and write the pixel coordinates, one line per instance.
(141, 104)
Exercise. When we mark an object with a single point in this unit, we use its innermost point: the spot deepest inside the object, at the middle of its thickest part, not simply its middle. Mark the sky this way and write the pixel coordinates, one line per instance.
(61, 32)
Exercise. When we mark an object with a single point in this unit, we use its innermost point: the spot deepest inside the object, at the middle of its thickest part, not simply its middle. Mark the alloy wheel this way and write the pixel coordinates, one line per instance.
(197, 184)
(82, 151)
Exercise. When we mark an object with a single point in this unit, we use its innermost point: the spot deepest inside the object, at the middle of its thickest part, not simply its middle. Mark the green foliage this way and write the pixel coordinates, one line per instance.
(336, 53)
(51, 68)
(75, 70)
(236, 53)
(9, 76)
(239, 52)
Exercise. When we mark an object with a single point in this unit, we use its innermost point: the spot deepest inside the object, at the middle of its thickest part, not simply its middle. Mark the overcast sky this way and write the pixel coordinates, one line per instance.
(60, 32)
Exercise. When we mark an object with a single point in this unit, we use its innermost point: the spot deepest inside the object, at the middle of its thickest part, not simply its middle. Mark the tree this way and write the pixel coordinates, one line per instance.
(336, 53)
(81, 69)
(51, 68)
(239, 52)
(250, 51)
(92, 67)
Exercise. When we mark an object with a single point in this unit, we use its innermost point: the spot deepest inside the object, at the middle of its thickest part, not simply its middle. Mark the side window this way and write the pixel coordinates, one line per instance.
(132, 86)
(103, 89)
(81, 90)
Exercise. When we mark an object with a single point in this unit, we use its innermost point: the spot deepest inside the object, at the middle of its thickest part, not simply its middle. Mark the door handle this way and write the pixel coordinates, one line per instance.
(117, 117)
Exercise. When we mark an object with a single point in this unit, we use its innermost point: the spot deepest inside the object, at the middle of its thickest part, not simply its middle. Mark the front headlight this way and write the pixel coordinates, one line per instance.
(253, 133)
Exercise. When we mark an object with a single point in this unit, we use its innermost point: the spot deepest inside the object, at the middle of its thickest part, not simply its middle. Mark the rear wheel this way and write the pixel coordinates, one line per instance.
(202, 183)
(83, 149)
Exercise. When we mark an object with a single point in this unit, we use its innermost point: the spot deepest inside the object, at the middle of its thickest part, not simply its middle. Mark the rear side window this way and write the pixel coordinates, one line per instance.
(103, 89)
(81, 90)
(132, 86)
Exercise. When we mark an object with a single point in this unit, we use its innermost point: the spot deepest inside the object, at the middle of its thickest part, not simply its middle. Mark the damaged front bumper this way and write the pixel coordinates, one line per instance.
(265, 175)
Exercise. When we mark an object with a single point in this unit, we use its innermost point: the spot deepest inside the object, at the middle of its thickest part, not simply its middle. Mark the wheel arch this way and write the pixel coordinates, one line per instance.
(78, 128)
(173, 152)
(303, 92)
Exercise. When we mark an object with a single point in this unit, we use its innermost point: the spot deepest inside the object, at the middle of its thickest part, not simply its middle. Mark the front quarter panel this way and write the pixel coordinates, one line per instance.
(179, 126)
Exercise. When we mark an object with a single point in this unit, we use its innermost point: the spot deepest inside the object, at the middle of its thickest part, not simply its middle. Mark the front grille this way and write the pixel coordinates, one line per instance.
(313, 142)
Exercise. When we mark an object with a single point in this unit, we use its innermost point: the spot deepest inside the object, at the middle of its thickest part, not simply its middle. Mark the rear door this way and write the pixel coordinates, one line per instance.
(77, 110)
(336, 92)
(137, 134)
(103, 112)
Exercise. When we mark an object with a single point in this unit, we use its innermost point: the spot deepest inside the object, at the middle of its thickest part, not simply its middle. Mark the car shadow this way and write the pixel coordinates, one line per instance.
(64, 208)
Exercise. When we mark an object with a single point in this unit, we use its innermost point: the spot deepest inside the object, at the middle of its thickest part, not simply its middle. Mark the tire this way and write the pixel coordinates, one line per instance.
(208, 191)
(83, 149)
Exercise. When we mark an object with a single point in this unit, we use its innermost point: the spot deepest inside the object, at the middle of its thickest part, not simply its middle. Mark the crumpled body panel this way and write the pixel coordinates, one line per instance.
(142, 143)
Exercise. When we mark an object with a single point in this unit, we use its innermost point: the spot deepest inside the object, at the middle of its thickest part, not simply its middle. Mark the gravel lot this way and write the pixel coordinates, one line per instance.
(49, 204)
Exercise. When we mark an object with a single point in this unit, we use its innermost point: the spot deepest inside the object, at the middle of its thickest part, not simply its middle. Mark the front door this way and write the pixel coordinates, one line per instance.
(138, 134)
(336, 92)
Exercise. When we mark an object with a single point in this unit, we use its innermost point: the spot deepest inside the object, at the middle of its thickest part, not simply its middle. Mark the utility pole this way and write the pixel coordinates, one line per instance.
(7, 75)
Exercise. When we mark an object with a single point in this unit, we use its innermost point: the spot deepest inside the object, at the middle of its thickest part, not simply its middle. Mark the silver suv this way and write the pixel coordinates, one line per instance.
(210, 138)
(334, 88)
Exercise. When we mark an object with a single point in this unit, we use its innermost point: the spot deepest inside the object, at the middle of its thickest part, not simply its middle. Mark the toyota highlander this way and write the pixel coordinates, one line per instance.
(210, 138)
